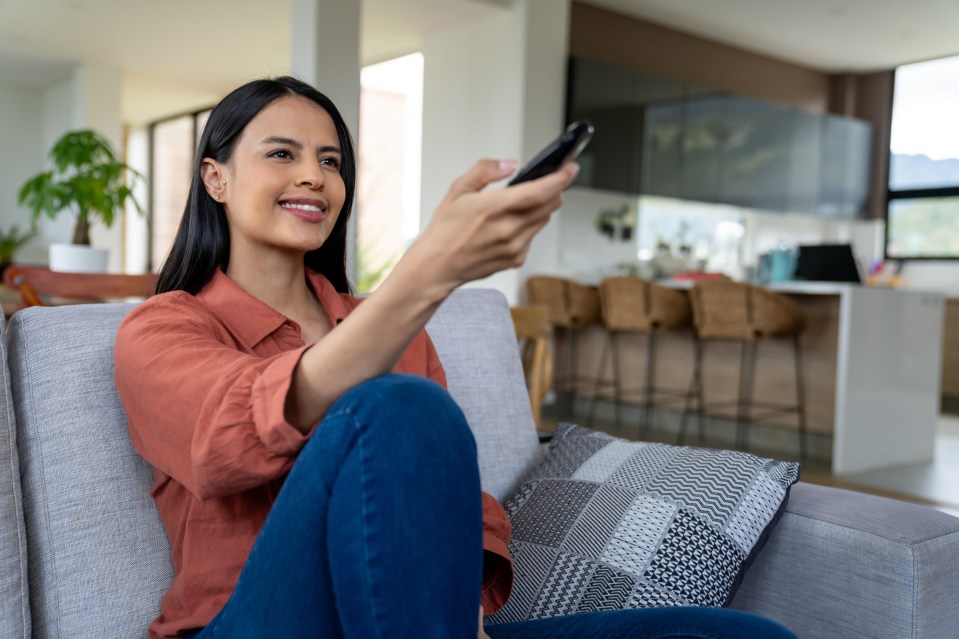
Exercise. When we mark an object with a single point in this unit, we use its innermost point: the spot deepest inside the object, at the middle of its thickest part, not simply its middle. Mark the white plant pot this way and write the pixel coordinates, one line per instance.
(75, 258)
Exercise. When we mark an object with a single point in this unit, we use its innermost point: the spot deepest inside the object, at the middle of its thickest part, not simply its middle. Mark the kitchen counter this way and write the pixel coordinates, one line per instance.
(872, 361)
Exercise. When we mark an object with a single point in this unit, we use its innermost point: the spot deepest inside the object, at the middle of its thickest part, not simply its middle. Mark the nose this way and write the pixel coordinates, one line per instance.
(311, 176)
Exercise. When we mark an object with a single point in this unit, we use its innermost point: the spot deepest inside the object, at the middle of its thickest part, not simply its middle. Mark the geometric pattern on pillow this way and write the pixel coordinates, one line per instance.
(602, 523)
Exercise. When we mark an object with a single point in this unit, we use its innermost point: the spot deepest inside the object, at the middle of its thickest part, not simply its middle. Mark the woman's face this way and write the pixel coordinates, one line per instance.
(283, 189)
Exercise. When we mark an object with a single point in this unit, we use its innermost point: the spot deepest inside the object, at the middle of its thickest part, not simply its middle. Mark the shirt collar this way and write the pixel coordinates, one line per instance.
(252, 319)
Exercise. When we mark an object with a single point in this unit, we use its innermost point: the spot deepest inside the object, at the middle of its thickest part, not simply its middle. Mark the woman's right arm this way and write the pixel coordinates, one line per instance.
(472, 234)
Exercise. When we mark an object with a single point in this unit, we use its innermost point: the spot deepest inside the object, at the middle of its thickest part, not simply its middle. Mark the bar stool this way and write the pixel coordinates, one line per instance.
(572, 307)
(633, 305)
(732, 311)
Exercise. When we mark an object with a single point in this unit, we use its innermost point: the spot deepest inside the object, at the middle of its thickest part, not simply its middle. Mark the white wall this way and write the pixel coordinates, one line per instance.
(22, 156)
(89, 98)
(493, 89)
(932, 275)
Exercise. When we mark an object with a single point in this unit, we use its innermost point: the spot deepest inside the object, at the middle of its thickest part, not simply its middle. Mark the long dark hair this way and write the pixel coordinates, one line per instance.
(202, 242)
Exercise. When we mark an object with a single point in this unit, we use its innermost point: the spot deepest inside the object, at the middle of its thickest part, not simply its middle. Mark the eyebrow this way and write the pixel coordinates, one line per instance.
(277, 139)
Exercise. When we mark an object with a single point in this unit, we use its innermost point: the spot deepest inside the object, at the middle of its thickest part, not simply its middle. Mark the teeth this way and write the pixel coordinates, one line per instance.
(303, 207)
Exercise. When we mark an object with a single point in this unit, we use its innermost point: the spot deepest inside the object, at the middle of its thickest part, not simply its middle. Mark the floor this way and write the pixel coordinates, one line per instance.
(935, 484)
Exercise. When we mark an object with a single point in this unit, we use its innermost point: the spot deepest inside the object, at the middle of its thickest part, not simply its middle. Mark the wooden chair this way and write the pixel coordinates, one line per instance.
(533, 330)
(39, 286)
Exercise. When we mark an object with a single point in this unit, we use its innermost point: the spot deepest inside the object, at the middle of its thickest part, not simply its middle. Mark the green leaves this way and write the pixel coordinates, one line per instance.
(87, 178)
(12, 240)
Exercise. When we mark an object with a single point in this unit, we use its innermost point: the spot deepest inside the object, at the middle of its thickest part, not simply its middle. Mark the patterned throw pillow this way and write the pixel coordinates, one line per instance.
(603, 524)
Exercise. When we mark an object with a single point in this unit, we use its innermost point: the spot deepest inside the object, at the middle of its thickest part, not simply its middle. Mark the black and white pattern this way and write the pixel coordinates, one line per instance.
(603, 524)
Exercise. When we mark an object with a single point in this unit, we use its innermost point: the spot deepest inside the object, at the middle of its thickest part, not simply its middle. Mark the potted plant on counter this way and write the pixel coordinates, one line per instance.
(86, 179)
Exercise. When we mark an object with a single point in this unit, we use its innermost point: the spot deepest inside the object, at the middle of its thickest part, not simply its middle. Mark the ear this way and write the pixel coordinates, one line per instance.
(214, 178)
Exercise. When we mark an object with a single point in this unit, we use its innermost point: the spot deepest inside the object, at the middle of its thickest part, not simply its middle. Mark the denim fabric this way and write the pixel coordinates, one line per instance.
(646, 623)
(378, 526)
(377, 531)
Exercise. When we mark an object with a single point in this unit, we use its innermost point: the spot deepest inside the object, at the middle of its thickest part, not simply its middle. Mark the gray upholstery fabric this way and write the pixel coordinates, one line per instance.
(844, 564)
(602, 523)
(474, 336)
(14, 591)
(99, 558)
(837, 565)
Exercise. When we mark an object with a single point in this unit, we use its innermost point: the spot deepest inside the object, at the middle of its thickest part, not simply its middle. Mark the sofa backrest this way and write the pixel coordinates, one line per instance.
(14, 589)
(98, 556)
(99, 560)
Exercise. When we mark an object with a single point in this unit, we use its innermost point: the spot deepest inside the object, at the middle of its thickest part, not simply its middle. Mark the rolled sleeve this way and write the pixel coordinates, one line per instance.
(269, 405)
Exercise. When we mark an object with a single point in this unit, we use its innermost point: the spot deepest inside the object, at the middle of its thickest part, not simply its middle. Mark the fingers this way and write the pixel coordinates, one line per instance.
(482, 173)
(485, 172)
(536, 192)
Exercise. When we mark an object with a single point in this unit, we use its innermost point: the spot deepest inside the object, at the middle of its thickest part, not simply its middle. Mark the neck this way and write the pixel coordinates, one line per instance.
(278, 281)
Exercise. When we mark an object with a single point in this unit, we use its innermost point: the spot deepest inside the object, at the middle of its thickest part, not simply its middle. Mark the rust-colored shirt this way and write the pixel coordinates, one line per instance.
(204, 381)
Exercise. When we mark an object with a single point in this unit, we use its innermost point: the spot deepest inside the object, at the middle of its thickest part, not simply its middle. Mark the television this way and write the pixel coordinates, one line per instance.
(827, 263)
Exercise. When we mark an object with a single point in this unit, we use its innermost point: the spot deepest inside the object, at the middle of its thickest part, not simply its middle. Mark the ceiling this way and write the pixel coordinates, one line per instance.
(204, 48)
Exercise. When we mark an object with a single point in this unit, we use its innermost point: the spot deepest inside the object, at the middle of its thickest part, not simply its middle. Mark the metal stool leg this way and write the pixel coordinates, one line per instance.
(747, 368)
(648, 383)
(800, 395)
(564, 370)
(617, 377)
(599, 379)
(695, 393)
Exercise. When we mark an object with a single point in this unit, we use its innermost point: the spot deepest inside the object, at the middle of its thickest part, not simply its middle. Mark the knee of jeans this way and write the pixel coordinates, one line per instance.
(398, 400)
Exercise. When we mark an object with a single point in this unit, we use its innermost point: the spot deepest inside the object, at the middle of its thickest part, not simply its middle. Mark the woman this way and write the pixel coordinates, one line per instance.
(306, 490)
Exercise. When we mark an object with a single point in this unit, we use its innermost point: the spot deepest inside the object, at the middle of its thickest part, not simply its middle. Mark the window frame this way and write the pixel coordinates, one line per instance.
(194, 116)
(909, 194)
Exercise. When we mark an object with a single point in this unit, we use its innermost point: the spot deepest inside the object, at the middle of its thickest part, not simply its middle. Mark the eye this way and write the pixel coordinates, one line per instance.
(330, 161)
(283, 154)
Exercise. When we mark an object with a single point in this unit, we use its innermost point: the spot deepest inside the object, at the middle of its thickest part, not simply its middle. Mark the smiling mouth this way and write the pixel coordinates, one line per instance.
(306, 211)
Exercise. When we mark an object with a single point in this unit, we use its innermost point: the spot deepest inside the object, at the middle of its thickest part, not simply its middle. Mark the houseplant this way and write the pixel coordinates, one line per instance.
(86, 179)
(10, 242)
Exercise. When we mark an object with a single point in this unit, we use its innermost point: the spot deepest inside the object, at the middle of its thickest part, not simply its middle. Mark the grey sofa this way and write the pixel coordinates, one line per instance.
(84, 555)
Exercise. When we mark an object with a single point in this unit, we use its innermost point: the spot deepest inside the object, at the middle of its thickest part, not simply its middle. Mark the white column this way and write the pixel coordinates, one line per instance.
(496, 89)
(325, 52)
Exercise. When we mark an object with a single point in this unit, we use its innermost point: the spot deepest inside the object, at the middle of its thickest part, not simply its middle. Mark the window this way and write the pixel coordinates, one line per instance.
(388, 180)
(173, 145)
(922, 217)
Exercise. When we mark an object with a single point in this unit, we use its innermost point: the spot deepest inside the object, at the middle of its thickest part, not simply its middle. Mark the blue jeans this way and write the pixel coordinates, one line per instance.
(377, 532)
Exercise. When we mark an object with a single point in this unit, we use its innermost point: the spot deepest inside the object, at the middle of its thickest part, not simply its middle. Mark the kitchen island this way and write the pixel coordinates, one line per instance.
(872, 359)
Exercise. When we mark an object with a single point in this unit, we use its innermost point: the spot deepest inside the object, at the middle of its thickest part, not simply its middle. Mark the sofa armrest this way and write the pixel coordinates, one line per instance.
(846, 564)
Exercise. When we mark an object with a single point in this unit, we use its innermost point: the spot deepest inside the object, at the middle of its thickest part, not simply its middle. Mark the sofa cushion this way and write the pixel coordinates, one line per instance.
(602, 523)
(474, 337)
(99, 557)
(14, 591)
